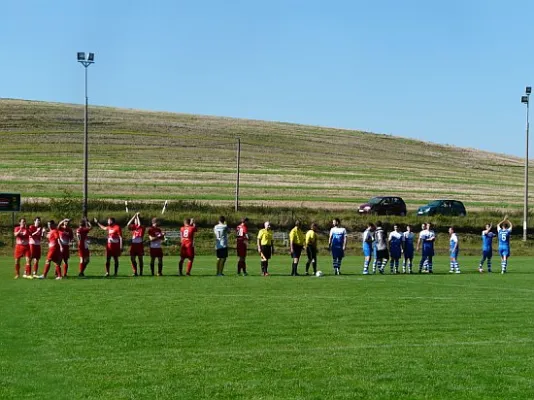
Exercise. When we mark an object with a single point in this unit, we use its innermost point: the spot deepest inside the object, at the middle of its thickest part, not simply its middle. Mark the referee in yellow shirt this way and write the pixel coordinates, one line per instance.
(311, 248)
(296, 244)
(265, 247)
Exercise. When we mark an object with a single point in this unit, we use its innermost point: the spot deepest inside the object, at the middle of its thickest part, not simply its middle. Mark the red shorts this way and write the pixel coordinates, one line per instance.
(241, 249)
(22, 250)
(83, 252)
(187, 252)
(113, 250)
(35, 251)
(65, 253)
(137, 250)
(156, 252)
(54, 254)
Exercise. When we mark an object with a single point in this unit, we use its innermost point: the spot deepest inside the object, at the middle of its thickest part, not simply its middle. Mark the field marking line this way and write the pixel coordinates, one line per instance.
(479, 287)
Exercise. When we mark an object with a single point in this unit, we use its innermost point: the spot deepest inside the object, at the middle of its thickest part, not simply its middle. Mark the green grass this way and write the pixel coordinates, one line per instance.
(444, 336)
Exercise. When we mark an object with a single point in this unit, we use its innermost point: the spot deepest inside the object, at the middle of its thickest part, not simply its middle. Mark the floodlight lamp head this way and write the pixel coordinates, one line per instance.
(81, 56)
(91, 57)
(524, 99)
(528, 90)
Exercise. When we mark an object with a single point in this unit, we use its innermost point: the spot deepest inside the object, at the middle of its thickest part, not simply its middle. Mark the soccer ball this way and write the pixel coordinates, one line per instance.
(318, 274)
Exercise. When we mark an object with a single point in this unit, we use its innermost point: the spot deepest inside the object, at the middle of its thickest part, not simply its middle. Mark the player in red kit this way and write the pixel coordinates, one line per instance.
(22, 248)
(187, 249)
(137, 250)
(54, 252)
(242, 244)
(66, 236)
(82, 234)
(37, 233)
(114, 243)
(156, 237)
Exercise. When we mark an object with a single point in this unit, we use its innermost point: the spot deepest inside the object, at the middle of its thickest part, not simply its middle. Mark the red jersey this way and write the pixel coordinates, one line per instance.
(157, 233)
(82, 233)
(114, 233)
(22, 236)
(36, 235)
(53, 239)
(66, 235)
(138, 231)
(188, 235)
(241, 233)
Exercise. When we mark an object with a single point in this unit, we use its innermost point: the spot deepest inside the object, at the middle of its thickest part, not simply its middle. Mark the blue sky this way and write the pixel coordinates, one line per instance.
(450, 72)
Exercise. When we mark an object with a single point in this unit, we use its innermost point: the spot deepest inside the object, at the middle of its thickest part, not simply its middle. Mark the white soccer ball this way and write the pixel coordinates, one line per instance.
(318, 274)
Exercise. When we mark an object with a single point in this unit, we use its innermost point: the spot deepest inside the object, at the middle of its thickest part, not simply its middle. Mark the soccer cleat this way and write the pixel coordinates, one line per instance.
(458, 271)
(365, 272)
(81, 275)
(480, 269)
(106, 275)
(17, 276)
(245, 273)
(25, 276)
(503, 271)
(489, 270)
(58, 278)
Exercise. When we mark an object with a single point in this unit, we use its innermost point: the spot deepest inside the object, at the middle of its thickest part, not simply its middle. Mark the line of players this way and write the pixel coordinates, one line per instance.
(377, 245)
(401, 245)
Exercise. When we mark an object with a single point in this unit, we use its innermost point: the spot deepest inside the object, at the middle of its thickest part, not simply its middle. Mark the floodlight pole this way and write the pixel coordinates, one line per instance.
(526, 100)
(237, 174)
(85, 62)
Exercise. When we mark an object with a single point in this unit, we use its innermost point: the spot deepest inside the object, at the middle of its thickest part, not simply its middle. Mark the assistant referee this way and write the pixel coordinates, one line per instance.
(265, 247)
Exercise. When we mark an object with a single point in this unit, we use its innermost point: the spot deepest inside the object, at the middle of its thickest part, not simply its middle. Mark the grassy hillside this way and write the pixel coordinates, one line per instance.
(140, 155)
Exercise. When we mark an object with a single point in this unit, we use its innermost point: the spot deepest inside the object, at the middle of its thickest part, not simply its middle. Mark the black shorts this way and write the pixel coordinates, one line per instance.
(222, 253)
(297, 251)
(382, 254)
(311, 252)
(266, 251)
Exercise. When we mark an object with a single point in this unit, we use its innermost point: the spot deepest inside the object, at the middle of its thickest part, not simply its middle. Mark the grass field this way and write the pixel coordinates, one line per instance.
(140, 155)
(443, 336)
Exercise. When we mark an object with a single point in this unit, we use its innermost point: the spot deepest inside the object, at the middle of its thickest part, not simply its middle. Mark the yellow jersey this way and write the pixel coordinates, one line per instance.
(265, 237)
(297, 236)
(311, 238)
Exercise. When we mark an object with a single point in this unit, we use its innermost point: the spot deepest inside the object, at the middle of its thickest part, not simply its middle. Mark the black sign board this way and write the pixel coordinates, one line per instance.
(9, 202)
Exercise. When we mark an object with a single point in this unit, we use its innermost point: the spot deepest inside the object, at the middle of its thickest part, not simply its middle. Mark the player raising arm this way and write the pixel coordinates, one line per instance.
(54, 252)
(114, 244)
(37, 233)
(137, 250)
(82, 234)
(156, 237)
(66, 236)
(487, 248)
(22, 248)
(504, 231)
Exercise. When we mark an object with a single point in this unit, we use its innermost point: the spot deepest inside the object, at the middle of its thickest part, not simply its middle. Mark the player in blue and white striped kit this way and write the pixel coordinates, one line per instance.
(367, 246)
(408, 238)
(427, 237)
(337, 242)
(504, 231)
(454, 249)
(487, 248)
(395, 249)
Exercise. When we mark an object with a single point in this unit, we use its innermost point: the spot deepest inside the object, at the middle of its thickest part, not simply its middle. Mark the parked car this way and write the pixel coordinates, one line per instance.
(443, 207)
(384, 205)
